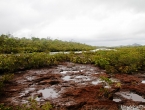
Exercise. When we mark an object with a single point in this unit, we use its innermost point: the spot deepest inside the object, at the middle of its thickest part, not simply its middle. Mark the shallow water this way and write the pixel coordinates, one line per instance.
(143, 81)
(30, 78)
(71, 75)
(132, 96)
(96, 82)
(48, 93)
(78, 52)
(67, 78)
(83, 78)
(116, 100)
(114, 80)
(65, 72)
(132, 107)
(29, 90)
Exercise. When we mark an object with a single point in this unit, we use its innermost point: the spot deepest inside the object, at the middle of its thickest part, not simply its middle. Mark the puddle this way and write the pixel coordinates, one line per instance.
(29, 78)
(97, 73)
(76, 78)
(26, 91)
(24, 101)
(116, 100)
(38, 99)
(132, 96)
(107, 87)
(96, 82)
(75, 71)
(83, 78)
(132, 107)
(67, 78)
(70, 103)
(143, 82)
(29, 90)
(64, 72)
(48, 93)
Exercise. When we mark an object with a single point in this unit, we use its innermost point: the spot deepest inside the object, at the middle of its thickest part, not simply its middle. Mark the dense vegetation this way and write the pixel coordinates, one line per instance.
(121, 60)
(10, 44)
(23, 61)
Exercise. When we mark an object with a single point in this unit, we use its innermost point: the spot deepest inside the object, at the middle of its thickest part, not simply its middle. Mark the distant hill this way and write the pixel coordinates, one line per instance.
(135, 44)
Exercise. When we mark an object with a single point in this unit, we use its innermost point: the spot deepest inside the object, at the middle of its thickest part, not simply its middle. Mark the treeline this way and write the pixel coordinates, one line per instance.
(9, 44)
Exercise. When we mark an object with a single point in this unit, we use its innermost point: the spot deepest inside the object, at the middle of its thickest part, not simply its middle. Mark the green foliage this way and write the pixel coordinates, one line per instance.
(123, 60)
(118, 85)
(84, 58)
(3, 107)
(101, 62)
(46, 106)
(22, 61)
(6, 77)
(105, 92)
(10, 44)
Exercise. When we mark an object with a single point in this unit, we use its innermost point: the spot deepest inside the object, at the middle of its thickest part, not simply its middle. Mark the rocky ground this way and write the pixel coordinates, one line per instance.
(70, 86)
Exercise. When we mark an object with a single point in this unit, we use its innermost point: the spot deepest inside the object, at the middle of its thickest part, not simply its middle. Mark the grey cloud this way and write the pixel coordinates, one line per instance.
(107, 22)
(119, 4)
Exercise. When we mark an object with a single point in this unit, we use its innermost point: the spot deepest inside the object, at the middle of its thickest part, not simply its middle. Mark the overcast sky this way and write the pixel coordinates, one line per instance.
(94, 22)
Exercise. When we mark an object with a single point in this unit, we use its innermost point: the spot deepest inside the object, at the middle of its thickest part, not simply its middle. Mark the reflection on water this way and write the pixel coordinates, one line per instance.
(48, 93)
(65, 72)
(132, 96)
(29, 78)
(96, 82)
(143, 82)
(116, 100)
(52, 53)
(67, 78)
(79, 78)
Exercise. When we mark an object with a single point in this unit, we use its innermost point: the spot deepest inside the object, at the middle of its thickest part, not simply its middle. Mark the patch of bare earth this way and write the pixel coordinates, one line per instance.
(70, 86)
